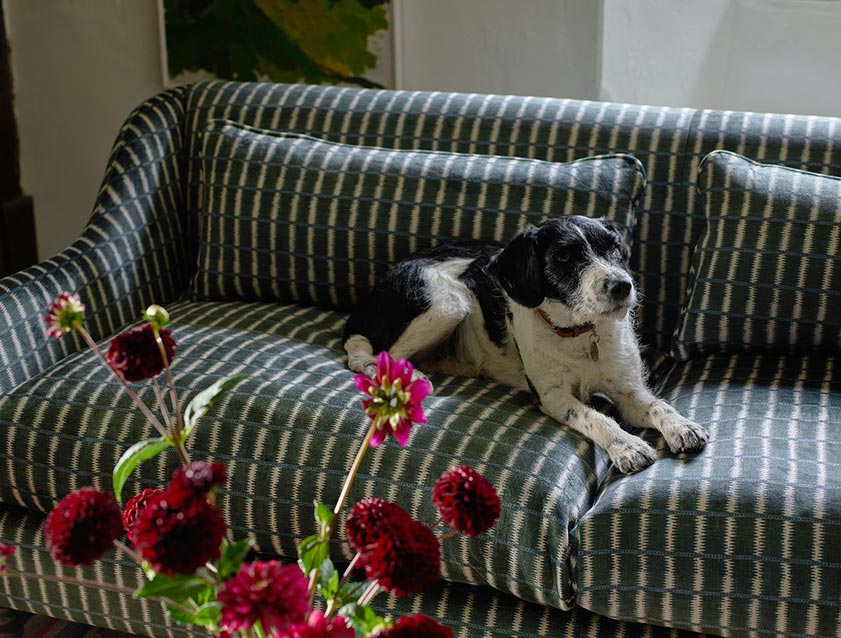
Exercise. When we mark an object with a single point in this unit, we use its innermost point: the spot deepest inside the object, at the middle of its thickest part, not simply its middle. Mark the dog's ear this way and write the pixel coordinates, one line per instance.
(519, 269)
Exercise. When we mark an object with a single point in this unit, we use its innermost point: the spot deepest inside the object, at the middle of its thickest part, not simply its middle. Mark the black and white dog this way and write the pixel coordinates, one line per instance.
(548, 312)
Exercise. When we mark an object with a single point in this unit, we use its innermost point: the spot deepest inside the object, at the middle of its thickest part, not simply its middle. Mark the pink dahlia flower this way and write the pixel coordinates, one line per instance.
(133, 506)
(370, 519)
(5, 552)
(83, 526)
(405, 561)
(395, 398)
(266, 591)
(66, 314)
(466, 500)
(318, 626)
(178, 538)
(196, 480)
(135, 354)
(416, 626)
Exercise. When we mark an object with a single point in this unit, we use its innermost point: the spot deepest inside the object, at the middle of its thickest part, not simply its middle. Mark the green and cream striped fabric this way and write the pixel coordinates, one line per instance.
(292, 218)
(743, 538)
(289, 433)
(529, 127)
(471, 612)
(133, 251)
(767, 270)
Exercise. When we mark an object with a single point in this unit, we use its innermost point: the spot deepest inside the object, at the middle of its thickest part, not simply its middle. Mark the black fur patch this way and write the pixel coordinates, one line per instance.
(401, 296)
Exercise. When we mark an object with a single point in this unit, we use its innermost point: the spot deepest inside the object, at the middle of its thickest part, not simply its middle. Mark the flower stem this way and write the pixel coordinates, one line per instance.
(447, 535)
(143, 408)
(161, 402)
(137, 558)
(173, 395)
(370, 593)
(354, 469)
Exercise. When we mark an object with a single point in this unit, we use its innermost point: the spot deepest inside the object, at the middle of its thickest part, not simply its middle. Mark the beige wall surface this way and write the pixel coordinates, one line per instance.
(80, 66)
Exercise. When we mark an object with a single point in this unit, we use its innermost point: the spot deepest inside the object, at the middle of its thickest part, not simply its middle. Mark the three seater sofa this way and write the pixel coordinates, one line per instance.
(258, 214)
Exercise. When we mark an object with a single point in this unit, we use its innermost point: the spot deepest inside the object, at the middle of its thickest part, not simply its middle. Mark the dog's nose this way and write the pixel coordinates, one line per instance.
(618, 288)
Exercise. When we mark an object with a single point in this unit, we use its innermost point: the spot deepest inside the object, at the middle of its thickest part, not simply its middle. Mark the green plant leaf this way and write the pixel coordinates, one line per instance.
(364, 619)
(209, 614)
(132, 457)
(177, 588)
(232, 557)
(312, 553)
(204, 400)
(323, 516)
(329, 580)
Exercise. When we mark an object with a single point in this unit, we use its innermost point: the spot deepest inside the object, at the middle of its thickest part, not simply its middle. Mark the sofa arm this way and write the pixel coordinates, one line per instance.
(134, 250)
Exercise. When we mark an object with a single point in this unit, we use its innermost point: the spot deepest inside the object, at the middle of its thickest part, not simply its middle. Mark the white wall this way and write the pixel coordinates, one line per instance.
(524, 47)
(79, 67)
(746, 55)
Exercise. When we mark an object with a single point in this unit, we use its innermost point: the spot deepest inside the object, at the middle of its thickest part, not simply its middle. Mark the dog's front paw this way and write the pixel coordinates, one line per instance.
(683, 435)
(631, 454)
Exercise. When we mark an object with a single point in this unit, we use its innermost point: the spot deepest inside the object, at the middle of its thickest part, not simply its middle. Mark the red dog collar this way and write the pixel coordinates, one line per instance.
(568, 332)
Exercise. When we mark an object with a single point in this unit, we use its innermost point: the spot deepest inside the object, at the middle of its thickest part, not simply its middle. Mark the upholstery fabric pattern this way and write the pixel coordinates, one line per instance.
(133, 251)
(471, 612)
(767, 270)
(292, 218)
(290, 431)
(742, 539)
(537, 128)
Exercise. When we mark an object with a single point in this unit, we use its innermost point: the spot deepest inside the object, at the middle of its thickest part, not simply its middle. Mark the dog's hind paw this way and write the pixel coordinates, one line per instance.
(631, 454)
(683, 435)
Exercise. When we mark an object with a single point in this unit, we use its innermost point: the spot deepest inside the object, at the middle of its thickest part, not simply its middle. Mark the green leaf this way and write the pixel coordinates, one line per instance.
(177, 588)
(209, 614)
(323, 516)
(204, 400)
(312, 553)
(132, 457)
(364, 619)
(329, 580)
(179, 616)
(232, 557)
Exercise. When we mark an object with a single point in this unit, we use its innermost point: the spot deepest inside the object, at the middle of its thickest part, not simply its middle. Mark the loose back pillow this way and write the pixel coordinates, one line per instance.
(296, 219)
(767, 270)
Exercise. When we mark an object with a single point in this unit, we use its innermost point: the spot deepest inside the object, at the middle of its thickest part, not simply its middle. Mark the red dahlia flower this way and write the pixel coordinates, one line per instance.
(196, 480)
(135, 355)
(178, 538)
(5, 552)
(405, 561)
(83, 526)
(266, 591)
(318, 626)
(66, 313)
(395, 398)
(416, 626)
(466, 500)
(372, 518)
(133, 506)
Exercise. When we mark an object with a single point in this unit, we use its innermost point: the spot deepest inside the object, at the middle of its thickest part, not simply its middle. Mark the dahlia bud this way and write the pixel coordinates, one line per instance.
(156, 315)
(5, 552)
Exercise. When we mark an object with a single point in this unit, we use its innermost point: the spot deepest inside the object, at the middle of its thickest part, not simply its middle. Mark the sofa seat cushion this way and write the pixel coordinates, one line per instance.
(743, 538)
(289, 433)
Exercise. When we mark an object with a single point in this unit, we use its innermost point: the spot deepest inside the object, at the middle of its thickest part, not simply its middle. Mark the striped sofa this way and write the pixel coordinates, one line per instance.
(743, 539)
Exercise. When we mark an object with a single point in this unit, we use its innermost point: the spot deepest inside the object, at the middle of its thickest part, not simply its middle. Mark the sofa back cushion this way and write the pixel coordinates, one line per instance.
(292, 218)
(767, 270)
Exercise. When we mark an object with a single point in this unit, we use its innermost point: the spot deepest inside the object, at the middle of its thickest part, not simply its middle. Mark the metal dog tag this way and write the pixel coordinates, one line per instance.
(594, 348)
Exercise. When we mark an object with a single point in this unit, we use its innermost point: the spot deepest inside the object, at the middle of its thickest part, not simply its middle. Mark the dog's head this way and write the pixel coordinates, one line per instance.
(577, 261)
